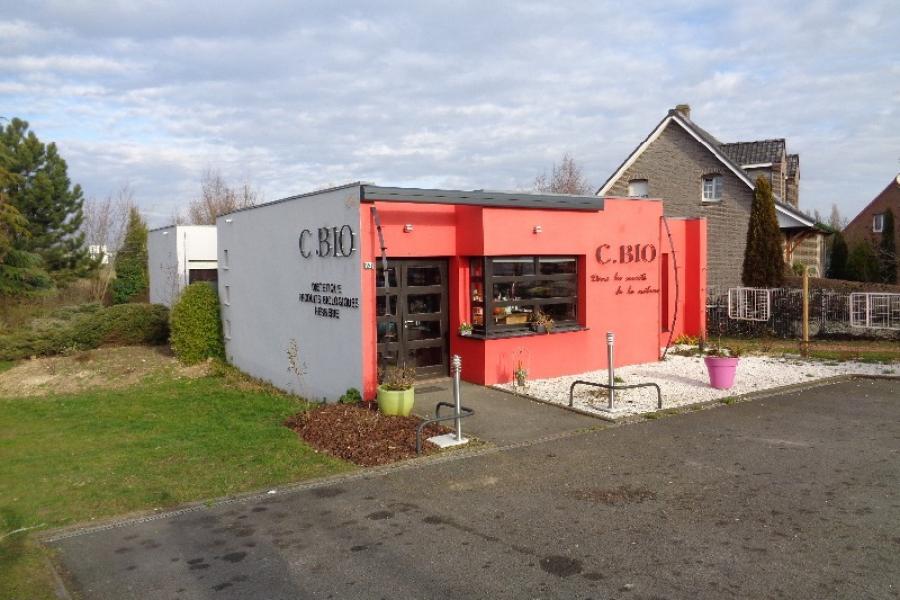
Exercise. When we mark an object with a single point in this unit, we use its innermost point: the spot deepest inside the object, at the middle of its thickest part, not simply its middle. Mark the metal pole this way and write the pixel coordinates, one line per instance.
(610, 341)
(456, 363)
(804, 345)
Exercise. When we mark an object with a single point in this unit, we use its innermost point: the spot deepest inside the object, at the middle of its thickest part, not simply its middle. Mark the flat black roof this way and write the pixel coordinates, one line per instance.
(370, 192)
(482, 198)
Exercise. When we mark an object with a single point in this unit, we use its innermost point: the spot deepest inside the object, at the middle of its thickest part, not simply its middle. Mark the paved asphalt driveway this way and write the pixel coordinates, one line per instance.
(796, 496)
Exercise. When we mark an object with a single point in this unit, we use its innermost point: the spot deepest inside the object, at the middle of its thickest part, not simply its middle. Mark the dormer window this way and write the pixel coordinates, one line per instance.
(638, 188)
(878, 223)
(712, 188)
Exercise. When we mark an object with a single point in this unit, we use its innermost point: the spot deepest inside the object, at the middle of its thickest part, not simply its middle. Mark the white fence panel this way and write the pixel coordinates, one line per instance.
(875, 310)
(749, 304)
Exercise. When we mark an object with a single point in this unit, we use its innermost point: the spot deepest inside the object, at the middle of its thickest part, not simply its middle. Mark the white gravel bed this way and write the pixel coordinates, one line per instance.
(684, 381)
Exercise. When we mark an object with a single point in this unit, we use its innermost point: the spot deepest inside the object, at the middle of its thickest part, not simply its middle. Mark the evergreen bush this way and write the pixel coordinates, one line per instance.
(887, 250)
(197, 325)
(763, 256)
(837, 267)
(86, 327)
(132, 281)
(862, 265)
(123, 325)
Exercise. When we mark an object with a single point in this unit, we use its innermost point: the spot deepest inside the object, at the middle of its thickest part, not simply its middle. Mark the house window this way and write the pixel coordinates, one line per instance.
(878, 223)
(638, 188)
(506, 292)
(227, 329)
(712, 188)
(227, 295)
(225, 252)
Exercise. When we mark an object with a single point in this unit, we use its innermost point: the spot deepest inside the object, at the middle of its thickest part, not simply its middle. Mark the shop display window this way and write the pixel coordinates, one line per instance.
(507, 292)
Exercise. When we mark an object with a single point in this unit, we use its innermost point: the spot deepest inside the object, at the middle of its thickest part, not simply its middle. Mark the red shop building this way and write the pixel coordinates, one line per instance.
(493, 260)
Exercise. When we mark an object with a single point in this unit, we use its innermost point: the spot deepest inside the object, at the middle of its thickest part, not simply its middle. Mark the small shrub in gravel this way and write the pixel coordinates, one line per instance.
(197, 325)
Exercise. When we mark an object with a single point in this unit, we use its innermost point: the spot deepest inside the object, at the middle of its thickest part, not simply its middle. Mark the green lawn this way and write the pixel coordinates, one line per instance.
(880, 351)
(6, 365)
(73, 458)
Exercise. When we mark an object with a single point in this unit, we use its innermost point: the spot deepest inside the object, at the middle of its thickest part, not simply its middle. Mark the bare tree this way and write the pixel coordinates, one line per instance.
(565, 178)
(218, 198)
(836, 220)
(104, 227)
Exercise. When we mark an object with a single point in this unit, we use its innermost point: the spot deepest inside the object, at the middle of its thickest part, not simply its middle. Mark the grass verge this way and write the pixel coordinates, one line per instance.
(77, 457)
(878, 351)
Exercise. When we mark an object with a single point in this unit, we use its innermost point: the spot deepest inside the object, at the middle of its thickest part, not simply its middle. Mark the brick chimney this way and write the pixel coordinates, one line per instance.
(684, 110)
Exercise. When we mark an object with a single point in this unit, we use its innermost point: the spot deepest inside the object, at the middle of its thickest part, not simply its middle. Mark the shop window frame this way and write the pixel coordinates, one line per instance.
(489, 329)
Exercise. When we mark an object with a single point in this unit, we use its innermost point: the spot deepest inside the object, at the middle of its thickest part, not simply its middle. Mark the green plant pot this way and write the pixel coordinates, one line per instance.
(391, 402)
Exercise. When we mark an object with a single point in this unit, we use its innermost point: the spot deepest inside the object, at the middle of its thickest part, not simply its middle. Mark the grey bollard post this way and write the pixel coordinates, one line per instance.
(610, 342)
(456, 364)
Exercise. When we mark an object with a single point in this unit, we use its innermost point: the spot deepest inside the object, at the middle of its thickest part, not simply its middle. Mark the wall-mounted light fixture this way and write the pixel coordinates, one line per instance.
(407, 228)
(229, 220)
(537, 229)
(165, 233)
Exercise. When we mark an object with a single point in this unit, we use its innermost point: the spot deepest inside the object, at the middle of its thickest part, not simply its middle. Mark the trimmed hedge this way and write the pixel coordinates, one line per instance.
(197, 325)
(86, 327)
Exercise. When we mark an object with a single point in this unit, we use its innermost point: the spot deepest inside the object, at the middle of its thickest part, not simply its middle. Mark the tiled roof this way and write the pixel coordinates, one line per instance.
(754, 153)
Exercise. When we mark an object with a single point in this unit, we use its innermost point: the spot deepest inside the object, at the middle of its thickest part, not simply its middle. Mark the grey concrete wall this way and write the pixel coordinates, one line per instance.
(260, 287)
(163, 267)
(674, 165)
(171, 251)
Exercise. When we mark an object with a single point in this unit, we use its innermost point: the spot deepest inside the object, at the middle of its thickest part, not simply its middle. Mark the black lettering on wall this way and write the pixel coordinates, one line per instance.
(303, 251)
(332, 241)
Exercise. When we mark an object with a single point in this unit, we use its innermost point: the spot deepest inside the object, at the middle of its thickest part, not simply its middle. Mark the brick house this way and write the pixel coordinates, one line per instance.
(696, 175)
(869, 223)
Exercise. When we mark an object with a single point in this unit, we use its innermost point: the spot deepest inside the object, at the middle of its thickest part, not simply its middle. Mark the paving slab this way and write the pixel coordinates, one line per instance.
(794, 496)
(501, 418)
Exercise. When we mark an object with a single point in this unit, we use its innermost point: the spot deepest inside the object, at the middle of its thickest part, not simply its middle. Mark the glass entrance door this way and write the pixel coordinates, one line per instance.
(412, 316)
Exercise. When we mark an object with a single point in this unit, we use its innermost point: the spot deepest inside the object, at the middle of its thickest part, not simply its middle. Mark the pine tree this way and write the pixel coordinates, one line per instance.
(131, 279)
(837, 267)
(21, 273)
(763, 257)
(43, 194)
(887, 250)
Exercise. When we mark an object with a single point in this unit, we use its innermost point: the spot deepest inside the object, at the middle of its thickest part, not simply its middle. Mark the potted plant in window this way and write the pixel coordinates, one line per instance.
(396, 393)
(541, 322)
(721, 364)
(465, 328)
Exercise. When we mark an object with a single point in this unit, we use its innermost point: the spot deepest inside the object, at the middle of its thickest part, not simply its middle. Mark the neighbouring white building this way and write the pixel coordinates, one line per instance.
(179, 255)
(100, 251)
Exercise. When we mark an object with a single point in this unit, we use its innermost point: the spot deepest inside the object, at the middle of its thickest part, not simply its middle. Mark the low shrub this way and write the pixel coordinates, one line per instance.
(86, 327)
(351, 396)
(197, 325)
(123, 325)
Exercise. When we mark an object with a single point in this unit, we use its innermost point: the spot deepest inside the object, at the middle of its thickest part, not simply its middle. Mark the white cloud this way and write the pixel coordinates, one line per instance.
(466, 94)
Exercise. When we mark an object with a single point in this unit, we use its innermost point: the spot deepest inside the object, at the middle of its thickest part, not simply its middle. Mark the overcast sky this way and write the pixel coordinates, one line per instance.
(291, 96)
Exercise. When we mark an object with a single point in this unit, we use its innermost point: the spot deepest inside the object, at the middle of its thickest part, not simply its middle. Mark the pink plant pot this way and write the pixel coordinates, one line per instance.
(721, 371)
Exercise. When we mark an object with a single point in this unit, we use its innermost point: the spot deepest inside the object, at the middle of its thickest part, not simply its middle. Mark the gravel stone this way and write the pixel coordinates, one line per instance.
(684, 381)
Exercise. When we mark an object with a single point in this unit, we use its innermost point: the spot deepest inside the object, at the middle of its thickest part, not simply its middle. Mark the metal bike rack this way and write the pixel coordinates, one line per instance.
(459, 411)
(612, 388)
(464, 412)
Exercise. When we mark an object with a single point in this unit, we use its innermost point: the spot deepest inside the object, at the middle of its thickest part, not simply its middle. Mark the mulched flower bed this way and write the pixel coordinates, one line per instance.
(361, 435)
